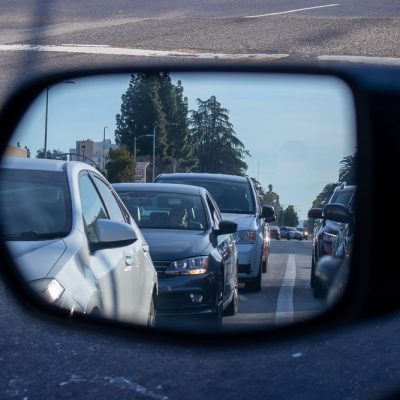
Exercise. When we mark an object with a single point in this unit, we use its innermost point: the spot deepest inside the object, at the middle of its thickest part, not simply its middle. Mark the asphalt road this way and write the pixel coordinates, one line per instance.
(286, 295)
(44, 359)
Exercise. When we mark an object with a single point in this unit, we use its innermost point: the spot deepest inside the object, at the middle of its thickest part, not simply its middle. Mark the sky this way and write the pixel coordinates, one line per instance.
(297, 128)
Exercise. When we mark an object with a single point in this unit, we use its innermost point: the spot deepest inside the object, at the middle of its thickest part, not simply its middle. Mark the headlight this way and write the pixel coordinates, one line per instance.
(50, 289)
(188, 266)
(328, 237)
(245, 236)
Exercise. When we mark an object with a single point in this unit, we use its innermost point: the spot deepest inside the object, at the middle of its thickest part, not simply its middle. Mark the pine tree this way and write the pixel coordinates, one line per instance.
(218, 148)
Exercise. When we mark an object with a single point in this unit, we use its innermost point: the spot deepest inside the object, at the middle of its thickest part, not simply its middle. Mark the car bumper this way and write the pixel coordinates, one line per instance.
(249, 261)
(187, 295)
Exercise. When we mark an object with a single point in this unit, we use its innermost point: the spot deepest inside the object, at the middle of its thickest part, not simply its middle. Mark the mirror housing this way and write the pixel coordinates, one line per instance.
(268, 213)
(226, 227)
(315, 213)
(113, 234)
(338, 212)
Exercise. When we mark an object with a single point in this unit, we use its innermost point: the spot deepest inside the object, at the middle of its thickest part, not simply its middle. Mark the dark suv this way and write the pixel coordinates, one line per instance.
(326, 232)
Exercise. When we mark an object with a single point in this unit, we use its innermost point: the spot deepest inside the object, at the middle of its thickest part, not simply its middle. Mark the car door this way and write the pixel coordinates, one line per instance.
(115, 268)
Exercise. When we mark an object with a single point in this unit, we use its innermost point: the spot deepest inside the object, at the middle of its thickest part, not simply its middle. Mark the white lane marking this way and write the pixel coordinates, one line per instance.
(107, 50)
(292, 11)
(284, 307)
(362, 59)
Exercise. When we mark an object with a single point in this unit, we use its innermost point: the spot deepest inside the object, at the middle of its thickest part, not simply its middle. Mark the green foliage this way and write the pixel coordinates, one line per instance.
(217, 147)
(153, 104)
(120, 166)
(290, 216)
(347, 171)
(51, 154)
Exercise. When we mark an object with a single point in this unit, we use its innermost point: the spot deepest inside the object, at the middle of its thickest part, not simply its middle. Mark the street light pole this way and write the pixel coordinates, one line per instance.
(104, 148)
(46, 117)
(154, 150)
(45, 122)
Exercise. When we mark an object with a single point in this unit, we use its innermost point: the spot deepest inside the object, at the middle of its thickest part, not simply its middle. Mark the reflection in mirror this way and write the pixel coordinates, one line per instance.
(196, 249)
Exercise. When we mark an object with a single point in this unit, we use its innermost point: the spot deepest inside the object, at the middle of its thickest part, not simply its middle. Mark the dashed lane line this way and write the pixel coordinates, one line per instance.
(284, 307)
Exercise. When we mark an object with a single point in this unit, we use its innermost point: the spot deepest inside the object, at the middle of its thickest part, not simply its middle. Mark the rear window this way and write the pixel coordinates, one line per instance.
(159, 210)
(34, 205)
(231, 197)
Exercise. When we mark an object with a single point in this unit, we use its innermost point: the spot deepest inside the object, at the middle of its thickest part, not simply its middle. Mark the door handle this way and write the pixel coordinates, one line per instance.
(129, 261)
(145, 248)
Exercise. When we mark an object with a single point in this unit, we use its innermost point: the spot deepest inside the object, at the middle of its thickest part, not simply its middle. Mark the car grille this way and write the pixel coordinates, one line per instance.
(161, 266)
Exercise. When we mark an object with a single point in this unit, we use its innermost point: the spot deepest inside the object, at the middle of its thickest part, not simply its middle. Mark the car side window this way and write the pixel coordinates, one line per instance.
(114, 209)
(216, 216)
(92, 206)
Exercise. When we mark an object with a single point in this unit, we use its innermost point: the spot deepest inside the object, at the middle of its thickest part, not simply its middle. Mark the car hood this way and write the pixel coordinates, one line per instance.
(244, 221)
(171, 244)
(36, 259)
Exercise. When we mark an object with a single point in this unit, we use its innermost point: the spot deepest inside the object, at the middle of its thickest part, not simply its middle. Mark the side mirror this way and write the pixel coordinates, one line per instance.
(338, 212)
(315, 213)
(226, 227)
(268, 213)
(113, 234)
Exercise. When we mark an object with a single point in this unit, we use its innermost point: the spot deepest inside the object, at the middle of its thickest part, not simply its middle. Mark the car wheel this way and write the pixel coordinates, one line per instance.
(255, 284)
(151, 322)
(288, 237)
(312, 278)
(264, 265)
(318, 290)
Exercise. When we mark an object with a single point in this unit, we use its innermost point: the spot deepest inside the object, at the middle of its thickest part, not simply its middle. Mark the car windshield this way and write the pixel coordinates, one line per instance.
(231, 197)
(46, 192)
(160, 210)
(342, 197)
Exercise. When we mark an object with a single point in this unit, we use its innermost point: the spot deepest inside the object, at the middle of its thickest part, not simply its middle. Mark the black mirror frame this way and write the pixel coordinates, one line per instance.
(370, 285)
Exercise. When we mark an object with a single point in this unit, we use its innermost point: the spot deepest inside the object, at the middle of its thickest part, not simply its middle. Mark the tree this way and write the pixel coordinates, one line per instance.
(120, 166)
(51, 154)
(218, 148)
(180, 149)
(290, 216)
(141, 114)
(347, 171)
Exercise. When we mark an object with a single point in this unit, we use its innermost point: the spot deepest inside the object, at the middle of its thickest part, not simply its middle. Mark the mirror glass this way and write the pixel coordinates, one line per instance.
(158, 254)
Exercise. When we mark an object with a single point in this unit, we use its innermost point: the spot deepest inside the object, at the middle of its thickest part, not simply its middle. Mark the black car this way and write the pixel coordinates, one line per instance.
(191, 247)
(326, 232)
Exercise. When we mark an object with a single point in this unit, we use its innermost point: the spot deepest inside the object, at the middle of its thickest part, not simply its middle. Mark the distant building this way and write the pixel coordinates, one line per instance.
(92, 152)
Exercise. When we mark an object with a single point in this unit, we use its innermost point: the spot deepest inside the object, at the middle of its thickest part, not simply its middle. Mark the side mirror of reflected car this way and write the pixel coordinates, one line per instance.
(226, 227)
(338, 212)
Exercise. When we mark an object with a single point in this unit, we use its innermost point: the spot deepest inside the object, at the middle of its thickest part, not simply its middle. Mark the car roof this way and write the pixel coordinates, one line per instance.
(41, 164)
(33, 164)
(203, 175)
(160, 187)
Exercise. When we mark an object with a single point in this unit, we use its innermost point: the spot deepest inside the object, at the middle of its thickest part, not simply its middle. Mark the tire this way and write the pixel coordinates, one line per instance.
(255, 284)
(318, 290)
(288, 237)
(312, 277)
(151, 322)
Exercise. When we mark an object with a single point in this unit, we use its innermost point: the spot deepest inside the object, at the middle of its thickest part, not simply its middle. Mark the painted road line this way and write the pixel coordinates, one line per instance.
(284, 307)
(119, 51)
(292, 11)
(362, 59)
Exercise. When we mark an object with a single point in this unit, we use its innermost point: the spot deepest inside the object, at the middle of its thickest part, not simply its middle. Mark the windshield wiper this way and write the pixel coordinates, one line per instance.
(33, 235)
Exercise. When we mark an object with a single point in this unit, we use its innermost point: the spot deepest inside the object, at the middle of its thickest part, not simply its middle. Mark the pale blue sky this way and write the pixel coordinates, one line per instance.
(296, 128)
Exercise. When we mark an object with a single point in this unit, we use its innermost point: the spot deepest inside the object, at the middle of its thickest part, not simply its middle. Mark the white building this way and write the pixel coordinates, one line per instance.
(92, 152)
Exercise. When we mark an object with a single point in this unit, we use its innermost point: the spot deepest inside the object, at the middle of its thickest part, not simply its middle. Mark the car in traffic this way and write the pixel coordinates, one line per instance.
(289, 232)
(326, 232)
(304, 232)
(192, 248)
(275, 232)
(236, 198)
(332, 271)
(80, 249)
